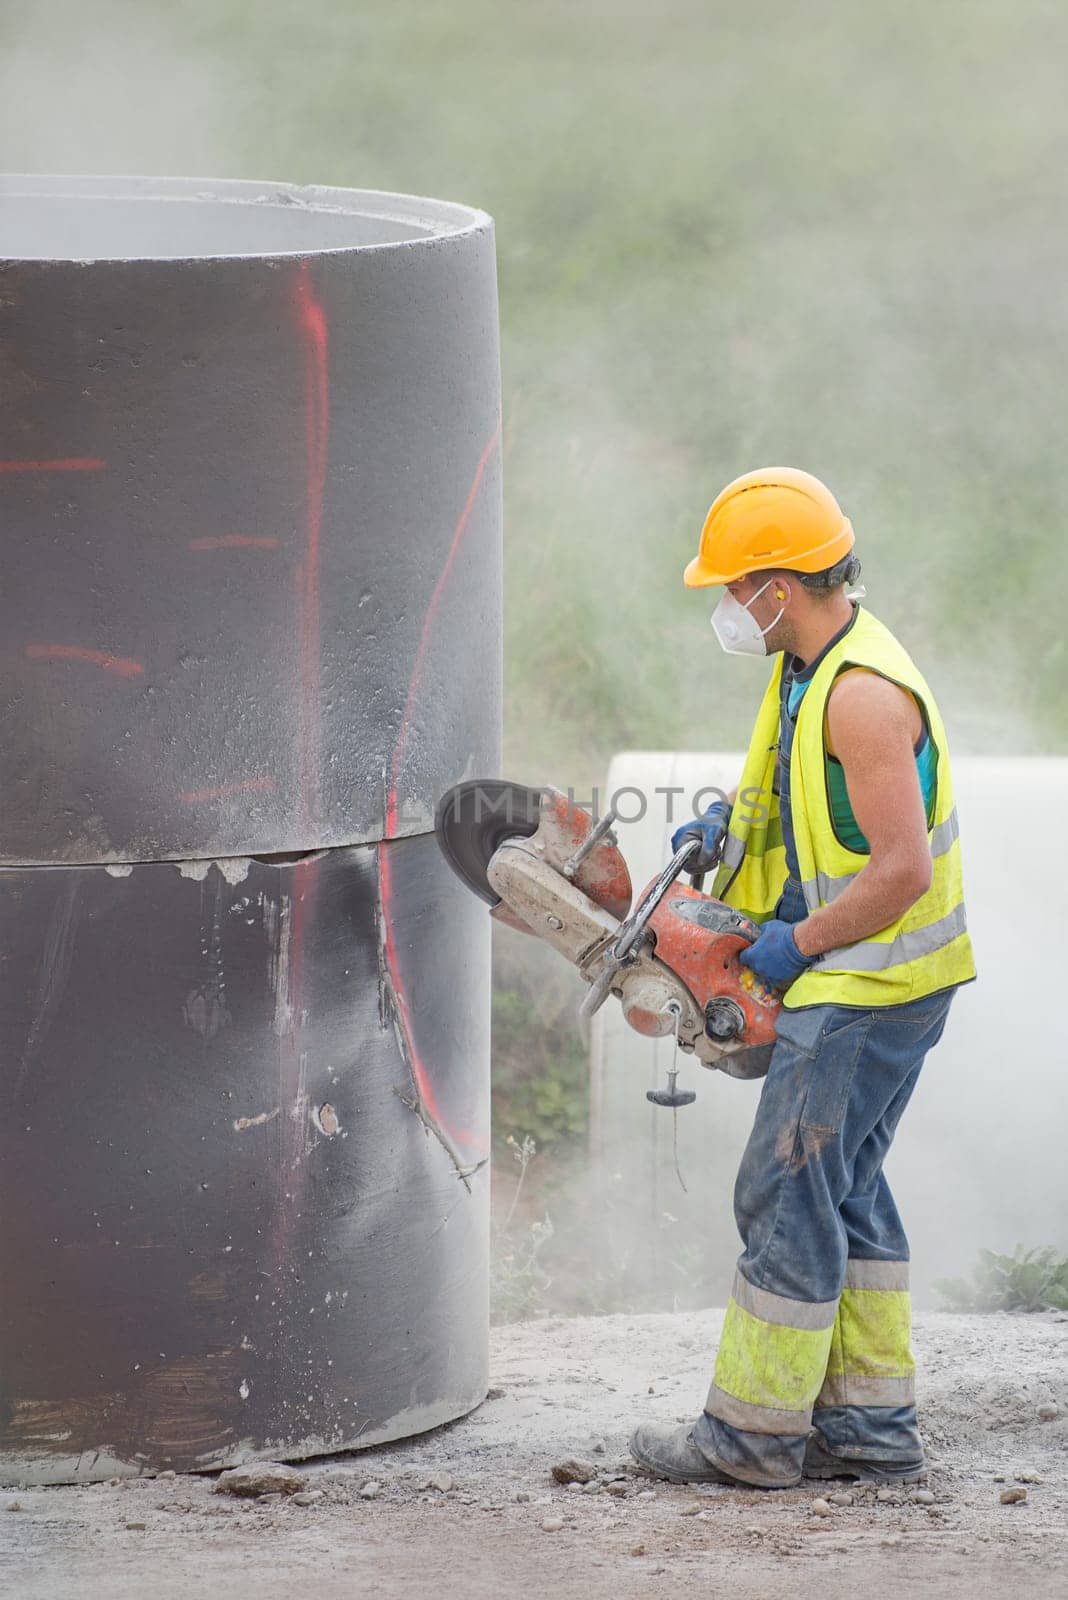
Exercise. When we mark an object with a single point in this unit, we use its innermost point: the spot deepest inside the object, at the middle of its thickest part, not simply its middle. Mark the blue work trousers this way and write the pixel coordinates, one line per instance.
(817, 1328)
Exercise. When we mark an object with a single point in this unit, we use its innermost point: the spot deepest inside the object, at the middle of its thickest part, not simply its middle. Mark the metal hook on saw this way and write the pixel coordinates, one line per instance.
(672, 1097)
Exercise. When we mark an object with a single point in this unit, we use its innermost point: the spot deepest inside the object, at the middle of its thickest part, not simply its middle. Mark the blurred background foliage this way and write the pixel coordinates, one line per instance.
(1025, 1280)
(799, 231)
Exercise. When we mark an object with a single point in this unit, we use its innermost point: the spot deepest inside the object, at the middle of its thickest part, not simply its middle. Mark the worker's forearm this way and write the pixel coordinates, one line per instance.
(878, 895)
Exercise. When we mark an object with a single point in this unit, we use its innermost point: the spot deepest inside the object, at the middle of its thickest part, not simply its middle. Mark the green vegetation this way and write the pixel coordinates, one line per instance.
(1026, 1280)
(518, 1279)
(540, 1072)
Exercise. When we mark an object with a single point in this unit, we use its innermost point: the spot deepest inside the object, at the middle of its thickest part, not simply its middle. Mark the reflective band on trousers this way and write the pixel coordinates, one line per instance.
(772, 1359)
(778, 1357)
(870, 1361)
(876, 1274)
(842, 1390)
(823, 888)
(779, 1309)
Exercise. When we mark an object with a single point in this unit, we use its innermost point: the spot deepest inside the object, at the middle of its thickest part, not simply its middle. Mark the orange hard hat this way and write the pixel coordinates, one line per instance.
(776, 517)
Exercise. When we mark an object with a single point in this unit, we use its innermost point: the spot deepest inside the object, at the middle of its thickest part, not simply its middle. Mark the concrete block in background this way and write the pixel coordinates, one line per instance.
(978, 1159)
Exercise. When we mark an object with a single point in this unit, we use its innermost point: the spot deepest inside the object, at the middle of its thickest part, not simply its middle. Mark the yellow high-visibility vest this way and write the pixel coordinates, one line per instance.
(927, 948)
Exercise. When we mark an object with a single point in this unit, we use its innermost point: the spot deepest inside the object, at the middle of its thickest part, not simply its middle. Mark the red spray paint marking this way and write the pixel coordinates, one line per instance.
(98, 658)
(424, 636)
(311, 325)
(467, 1138)
(60, 464)
(461, 1136)
(234, 541)
(246, 786)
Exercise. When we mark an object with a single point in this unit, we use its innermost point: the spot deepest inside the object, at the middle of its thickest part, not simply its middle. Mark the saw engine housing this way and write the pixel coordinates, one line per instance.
(672, 962)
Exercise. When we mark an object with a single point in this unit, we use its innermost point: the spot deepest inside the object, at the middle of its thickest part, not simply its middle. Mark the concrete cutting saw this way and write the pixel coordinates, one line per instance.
(545, 866)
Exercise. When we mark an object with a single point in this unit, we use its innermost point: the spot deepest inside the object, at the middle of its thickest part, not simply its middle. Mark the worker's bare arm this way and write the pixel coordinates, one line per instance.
(872, 728)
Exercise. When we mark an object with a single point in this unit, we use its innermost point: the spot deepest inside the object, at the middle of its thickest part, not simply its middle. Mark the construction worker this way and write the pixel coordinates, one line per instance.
(841, 842)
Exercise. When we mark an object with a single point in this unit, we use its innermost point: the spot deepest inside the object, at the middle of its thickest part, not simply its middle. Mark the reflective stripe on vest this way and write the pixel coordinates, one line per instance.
(733, 851)
(822, 889)
(868, 955)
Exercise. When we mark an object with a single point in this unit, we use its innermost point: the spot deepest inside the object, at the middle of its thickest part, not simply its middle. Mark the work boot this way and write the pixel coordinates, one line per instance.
(671, 1453)
(823, 1463)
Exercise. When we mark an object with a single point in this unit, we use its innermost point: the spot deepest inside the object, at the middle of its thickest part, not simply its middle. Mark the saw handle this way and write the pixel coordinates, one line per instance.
(599, 990)
(634, 927)
(697, 879)
(632, 931)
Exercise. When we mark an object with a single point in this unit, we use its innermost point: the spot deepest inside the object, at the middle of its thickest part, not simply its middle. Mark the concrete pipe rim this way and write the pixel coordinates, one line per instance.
(415, 220)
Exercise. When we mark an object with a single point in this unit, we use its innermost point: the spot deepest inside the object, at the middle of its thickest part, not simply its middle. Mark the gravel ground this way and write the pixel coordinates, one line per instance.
(473, 1506)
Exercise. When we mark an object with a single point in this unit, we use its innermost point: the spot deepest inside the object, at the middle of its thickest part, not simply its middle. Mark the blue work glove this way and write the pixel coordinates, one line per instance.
(774, 957)
(711, 829)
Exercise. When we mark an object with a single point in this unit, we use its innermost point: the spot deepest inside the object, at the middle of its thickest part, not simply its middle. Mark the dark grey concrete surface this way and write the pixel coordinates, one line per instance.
(250, 502)
(242, 1128)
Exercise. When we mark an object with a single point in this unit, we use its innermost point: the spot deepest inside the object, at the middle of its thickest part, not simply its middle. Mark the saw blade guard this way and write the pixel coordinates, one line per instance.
(476, 817)
(546, 867)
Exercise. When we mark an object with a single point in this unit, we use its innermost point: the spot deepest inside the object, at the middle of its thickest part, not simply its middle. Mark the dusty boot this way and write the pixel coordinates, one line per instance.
(671, 1453)
(823, 1463)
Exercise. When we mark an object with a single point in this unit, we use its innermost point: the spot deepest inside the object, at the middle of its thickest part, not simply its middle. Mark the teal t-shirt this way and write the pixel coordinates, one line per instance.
(845, 823)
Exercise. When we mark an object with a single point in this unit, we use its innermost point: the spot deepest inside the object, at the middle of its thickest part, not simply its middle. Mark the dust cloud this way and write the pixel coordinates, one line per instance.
(844, 249)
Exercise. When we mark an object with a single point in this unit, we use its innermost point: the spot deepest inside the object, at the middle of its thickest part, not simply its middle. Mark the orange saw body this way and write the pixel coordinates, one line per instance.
(544, 865)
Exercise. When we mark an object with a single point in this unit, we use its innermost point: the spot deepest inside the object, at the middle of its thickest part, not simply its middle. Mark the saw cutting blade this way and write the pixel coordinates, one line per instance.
(474, 818)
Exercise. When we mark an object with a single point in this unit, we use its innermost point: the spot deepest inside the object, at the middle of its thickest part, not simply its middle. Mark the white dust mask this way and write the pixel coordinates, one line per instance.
(736, 628)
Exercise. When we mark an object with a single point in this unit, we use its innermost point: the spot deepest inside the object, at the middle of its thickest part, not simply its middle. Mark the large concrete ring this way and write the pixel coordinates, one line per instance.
(249, 474)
